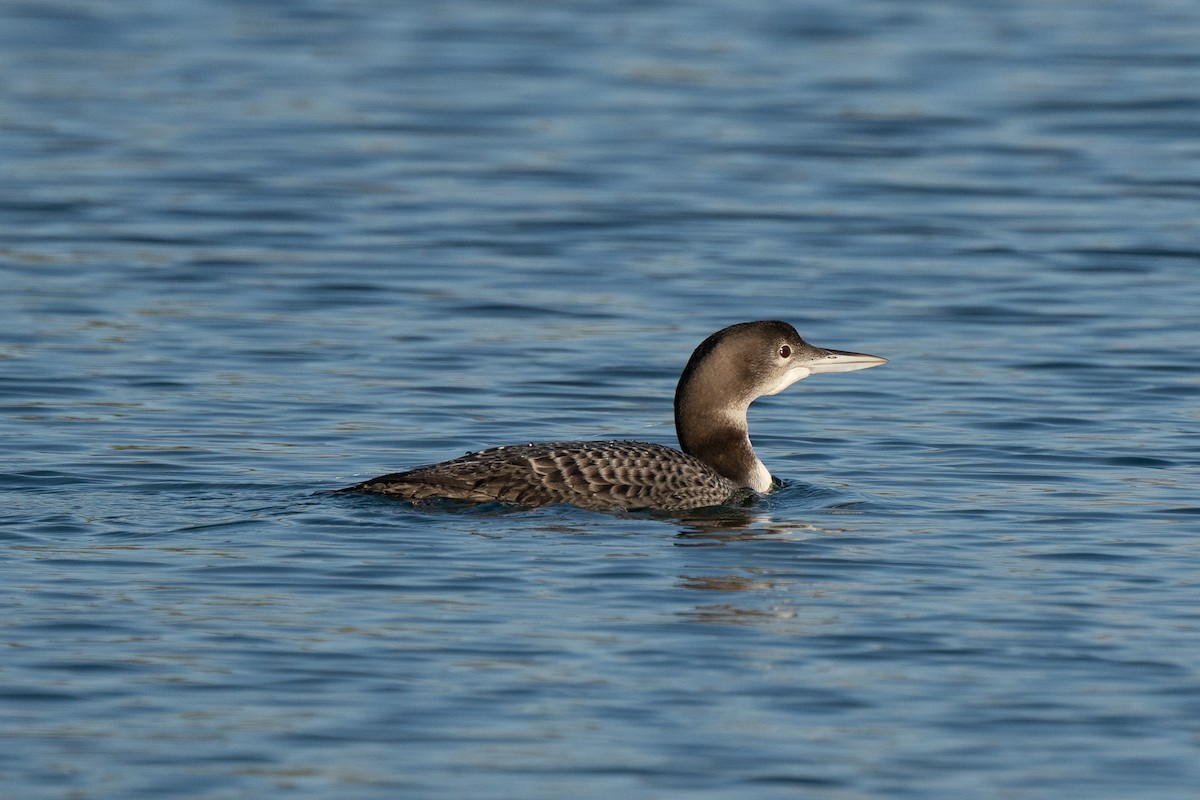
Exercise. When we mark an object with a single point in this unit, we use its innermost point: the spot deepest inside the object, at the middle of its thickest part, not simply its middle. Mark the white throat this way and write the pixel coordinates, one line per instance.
(760, 479)
(794, 373)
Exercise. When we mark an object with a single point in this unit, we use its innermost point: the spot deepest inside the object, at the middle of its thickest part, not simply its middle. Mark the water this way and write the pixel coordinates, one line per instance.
(251, 252)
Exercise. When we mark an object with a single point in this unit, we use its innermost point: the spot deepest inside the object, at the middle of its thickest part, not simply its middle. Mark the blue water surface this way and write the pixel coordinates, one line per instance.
(251, 252)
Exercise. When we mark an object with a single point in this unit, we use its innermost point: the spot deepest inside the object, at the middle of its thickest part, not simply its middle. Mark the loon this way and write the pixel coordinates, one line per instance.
(728, 371)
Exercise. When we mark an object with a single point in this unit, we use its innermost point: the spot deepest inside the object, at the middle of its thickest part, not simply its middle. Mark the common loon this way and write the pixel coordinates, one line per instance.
(726, 373)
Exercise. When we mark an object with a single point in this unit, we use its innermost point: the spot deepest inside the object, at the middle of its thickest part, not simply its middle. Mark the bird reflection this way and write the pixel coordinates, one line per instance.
(770, 595)
(714, 527)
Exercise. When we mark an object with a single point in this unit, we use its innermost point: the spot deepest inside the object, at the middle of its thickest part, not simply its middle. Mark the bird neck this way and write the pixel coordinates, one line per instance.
(713, 428)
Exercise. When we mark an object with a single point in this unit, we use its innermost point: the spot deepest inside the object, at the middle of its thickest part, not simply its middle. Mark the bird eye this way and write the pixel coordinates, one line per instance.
(785, 351)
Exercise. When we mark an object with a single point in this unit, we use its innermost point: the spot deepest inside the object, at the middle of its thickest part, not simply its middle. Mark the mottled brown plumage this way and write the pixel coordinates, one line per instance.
(727, 372)
(596, 475)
